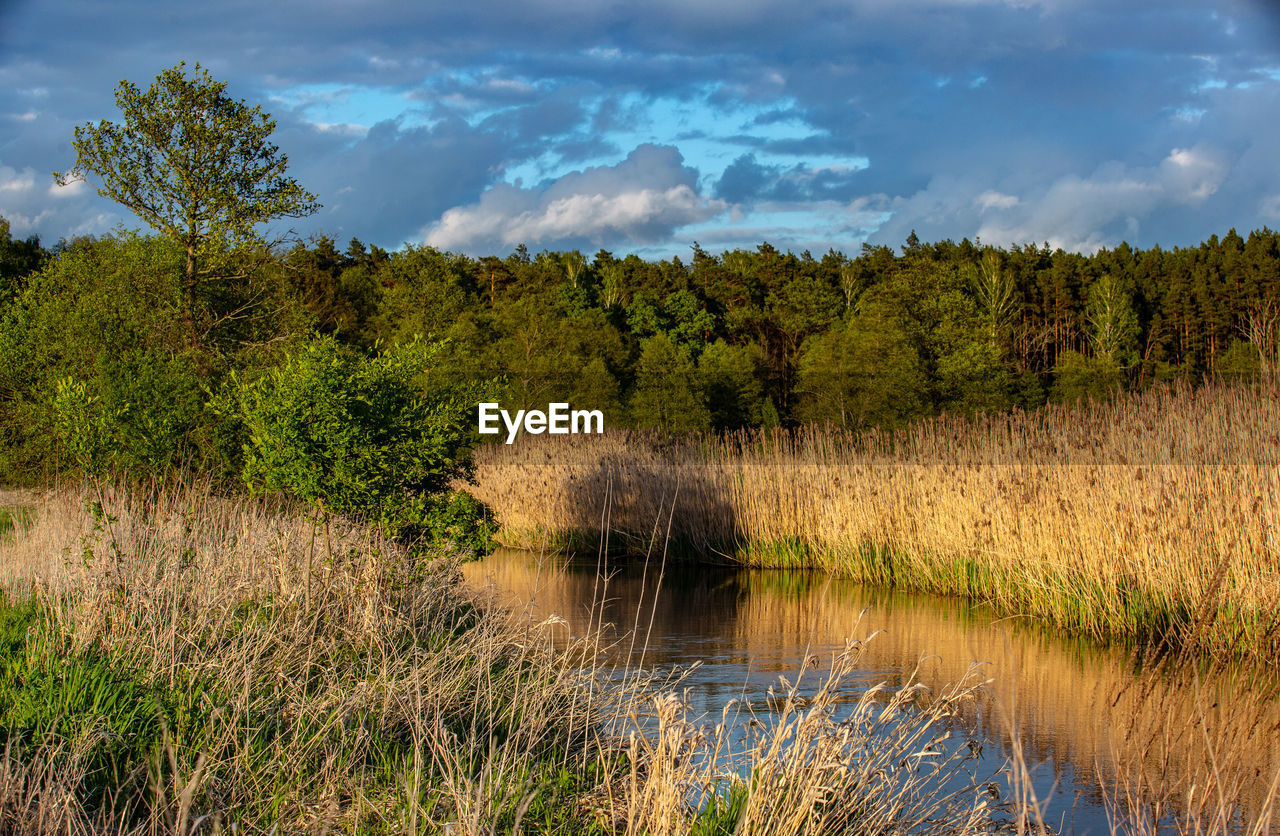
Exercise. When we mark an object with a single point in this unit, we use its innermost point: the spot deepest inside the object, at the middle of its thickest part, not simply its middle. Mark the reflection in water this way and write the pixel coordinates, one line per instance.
(1081, 714)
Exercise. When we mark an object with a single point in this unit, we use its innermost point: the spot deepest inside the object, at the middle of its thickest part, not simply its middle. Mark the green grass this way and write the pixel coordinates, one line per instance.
(53, 696)
(128, 725)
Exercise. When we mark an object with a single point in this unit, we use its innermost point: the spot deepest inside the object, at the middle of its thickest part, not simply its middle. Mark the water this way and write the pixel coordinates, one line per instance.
(1070, 706)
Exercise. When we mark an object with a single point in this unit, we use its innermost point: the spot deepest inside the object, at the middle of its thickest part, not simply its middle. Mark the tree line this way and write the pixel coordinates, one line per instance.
(752, 338)
(745, 338)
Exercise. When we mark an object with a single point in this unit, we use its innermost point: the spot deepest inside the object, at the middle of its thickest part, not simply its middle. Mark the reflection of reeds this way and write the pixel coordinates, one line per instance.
(1151, 517)
(1172, 728)
(1188, 742)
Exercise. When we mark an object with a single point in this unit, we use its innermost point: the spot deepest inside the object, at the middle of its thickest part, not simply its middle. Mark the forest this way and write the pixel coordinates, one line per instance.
(741, 339)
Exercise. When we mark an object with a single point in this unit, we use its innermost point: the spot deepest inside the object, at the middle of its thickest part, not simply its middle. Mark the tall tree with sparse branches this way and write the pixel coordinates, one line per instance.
(194, 164)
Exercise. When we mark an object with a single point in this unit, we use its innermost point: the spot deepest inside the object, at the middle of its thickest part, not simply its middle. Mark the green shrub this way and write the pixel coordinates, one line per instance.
(97, 369)
(353, 434)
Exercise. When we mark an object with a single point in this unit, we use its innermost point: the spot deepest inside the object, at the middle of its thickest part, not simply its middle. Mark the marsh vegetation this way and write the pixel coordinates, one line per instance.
(167, 670)
(1151, 518)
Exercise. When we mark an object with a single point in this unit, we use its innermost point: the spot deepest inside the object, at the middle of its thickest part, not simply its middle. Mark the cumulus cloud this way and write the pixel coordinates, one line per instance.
(1041, 95)
(13, 181)
(642, 199)
(32, 205)
(1085, 213)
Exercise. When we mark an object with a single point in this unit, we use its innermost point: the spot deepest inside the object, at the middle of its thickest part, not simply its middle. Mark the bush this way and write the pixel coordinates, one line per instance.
(97, 368)
(353, 434)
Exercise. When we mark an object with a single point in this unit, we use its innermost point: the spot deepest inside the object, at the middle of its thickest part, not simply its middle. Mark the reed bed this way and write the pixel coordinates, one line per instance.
(193, 663)
(1151, 517)
(315, 688)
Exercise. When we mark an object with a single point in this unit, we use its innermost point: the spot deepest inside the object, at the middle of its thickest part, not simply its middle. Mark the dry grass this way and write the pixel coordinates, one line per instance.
(382, 692)
(340, 687)
(1152, 517)
(842, 761)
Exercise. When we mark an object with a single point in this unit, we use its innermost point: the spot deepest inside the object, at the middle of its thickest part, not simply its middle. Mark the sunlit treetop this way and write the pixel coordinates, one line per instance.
(193, 163)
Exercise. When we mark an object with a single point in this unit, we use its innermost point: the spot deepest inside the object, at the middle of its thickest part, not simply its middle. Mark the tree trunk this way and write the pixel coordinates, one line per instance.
(188, 291)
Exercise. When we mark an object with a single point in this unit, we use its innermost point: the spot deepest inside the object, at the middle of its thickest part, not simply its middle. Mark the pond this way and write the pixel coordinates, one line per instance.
(1081, 714)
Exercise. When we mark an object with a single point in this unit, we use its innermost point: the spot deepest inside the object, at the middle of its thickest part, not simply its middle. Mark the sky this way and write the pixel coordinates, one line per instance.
(643, 127)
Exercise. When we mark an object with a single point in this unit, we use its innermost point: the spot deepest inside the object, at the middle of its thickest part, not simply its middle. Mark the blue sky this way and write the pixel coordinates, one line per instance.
(559, 124)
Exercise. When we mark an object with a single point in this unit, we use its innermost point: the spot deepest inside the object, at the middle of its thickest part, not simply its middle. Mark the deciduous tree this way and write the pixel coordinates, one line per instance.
(194, 164)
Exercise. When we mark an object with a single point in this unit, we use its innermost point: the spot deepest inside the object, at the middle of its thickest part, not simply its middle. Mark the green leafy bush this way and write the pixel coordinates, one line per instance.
(96, 369)
(354, 434)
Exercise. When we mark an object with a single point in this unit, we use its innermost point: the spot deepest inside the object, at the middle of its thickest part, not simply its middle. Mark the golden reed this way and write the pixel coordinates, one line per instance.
(1150, 517)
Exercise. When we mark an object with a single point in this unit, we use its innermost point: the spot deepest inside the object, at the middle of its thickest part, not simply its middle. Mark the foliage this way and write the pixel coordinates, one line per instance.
(731, 378)
(94, 368)
(195, 165)
(18, 259)
(595, 387)
(95, 358)
(190, 161)
(1077, 377)
(865, 373)
(749, 338)
(1240, 362)
(353, 434)
(453, 523)
(667, 393)
(1114, 322)
(986, 328)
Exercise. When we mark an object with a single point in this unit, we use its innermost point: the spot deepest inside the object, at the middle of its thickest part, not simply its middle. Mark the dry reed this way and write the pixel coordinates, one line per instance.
(1151, 517)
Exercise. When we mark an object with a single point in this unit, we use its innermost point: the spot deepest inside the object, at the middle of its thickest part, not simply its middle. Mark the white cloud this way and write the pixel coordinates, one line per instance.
(75, 188)
(991, 199)
(1080, 213)
(25, 204)
(13, 181)
(642, 199)
(341, 128)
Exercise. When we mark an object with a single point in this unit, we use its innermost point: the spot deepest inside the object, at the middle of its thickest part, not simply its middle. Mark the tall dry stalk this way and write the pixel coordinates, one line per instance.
(1153, 517)
(198, 593)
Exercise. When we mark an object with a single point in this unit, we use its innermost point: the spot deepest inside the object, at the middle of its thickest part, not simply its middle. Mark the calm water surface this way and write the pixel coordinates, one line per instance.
(1068, 703)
